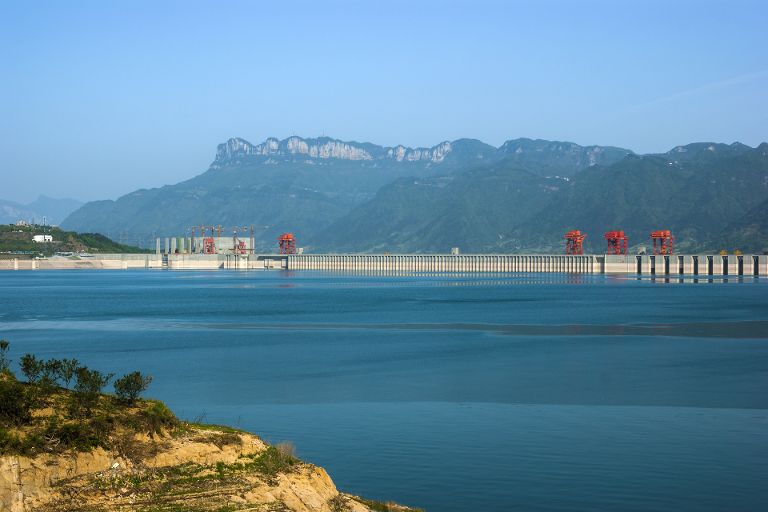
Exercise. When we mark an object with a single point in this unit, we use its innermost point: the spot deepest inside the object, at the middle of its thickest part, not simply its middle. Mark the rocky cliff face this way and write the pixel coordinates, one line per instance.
(434, 154)
(236, 149)
(205, 469)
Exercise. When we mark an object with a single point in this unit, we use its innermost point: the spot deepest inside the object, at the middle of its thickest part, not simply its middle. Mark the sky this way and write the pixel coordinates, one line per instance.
(98, 99)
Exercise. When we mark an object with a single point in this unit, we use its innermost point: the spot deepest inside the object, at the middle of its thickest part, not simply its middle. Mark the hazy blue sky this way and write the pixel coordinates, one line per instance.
(100, 98)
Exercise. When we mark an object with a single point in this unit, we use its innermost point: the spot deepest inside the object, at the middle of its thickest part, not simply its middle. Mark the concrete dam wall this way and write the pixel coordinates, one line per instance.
(744, 265)
(470, 263)
(662, 265)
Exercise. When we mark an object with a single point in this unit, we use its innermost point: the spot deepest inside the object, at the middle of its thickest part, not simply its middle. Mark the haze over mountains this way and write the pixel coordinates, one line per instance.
(52, 210)
(520, 197)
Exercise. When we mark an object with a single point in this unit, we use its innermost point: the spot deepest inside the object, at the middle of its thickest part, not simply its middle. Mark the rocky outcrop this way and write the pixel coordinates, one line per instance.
(434, 154)
(237, 149)
(201, 470)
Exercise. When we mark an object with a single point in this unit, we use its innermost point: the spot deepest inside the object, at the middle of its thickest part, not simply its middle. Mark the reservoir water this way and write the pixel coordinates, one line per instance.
(469, 393)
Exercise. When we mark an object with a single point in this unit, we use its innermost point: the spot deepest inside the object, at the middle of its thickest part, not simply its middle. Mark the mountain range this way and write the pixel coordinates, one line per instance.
(522, 196)
(53, 210)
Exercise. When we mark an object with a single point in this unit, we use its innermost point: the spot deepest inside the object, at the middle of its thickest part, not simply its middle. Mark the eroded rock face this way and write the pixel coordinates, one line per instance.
(28, 483)
(202, 470)
(236, 149)
(434, 154)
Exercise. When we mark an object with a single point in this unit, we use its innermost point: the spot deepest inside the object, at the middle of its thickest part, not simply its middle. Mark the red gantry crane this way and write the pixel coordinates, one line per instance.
(287, 243)
(617, 242)
(209, 242)
(665, 241)
(573, 242)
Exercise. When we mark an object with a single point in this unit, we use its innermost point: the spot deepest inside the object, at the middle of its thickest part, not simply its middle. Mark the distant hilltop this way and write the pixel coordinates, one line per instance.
(523, 196)
(325, 147)
(44, 208)
(237, 149)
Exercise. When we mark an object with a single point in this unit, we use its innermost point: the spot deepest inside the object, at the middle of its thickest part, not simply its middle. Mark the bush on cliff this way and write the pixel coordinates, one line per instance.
(31, 367)
(129, 387)
(15, 402)
(5, 363)
(43, 415)
(88, 387)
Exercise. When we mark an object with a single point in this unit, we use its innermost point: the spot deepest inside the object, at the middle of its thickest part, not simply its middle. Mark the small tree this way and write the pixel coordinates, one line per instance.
(15, 404)
(68, 369)
(31, 367)
(88, 387)
(51, 371)
(129, 387)
(5, 363)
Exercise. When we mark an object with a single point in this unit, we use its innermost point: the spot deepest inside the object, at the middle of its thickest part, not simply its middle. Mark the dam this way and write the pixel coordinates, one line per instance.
(743, 265)
(645, 265)
(209, 250)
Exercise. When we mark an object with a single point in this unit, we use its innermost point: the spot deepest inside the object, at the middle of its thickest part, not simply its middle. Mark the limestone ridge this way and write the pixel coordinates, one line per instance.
(237, 149)
(549, 157)
(433, 154)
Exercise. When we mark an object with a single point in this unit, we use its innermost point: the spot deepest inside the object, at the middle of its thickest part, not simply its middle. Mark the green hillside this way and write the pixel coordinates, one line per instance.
(749, 232)
(472, 209)
(556, 158)
(701, 196)
(276, 192)
(696, 197)
(521, 197)
(17, 241)
(306, 185)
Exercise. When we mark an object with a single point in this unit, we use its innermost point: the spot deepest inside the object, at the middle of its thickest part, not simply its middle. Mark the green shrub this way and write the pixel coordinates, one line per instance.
(31, 367)
(276, 459)
(338, 504)
(5, 363)
(88, 387)
(68, 369)
(155, 418)
(129, 387)
(82, 437)
(15, 403)
(9, 442)
(51, 372)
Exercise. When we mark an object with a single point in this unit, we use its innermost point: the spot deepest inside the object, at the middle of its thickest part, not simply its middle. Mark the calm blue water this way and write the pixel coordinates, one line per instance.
(476, 393)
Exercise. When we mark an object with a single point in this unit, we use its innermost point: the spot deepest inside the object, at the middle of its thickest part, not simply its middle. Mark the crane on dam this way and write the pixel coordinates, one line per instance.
(573, 242)
(665, 241)
(617, 242)
(287, 243)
